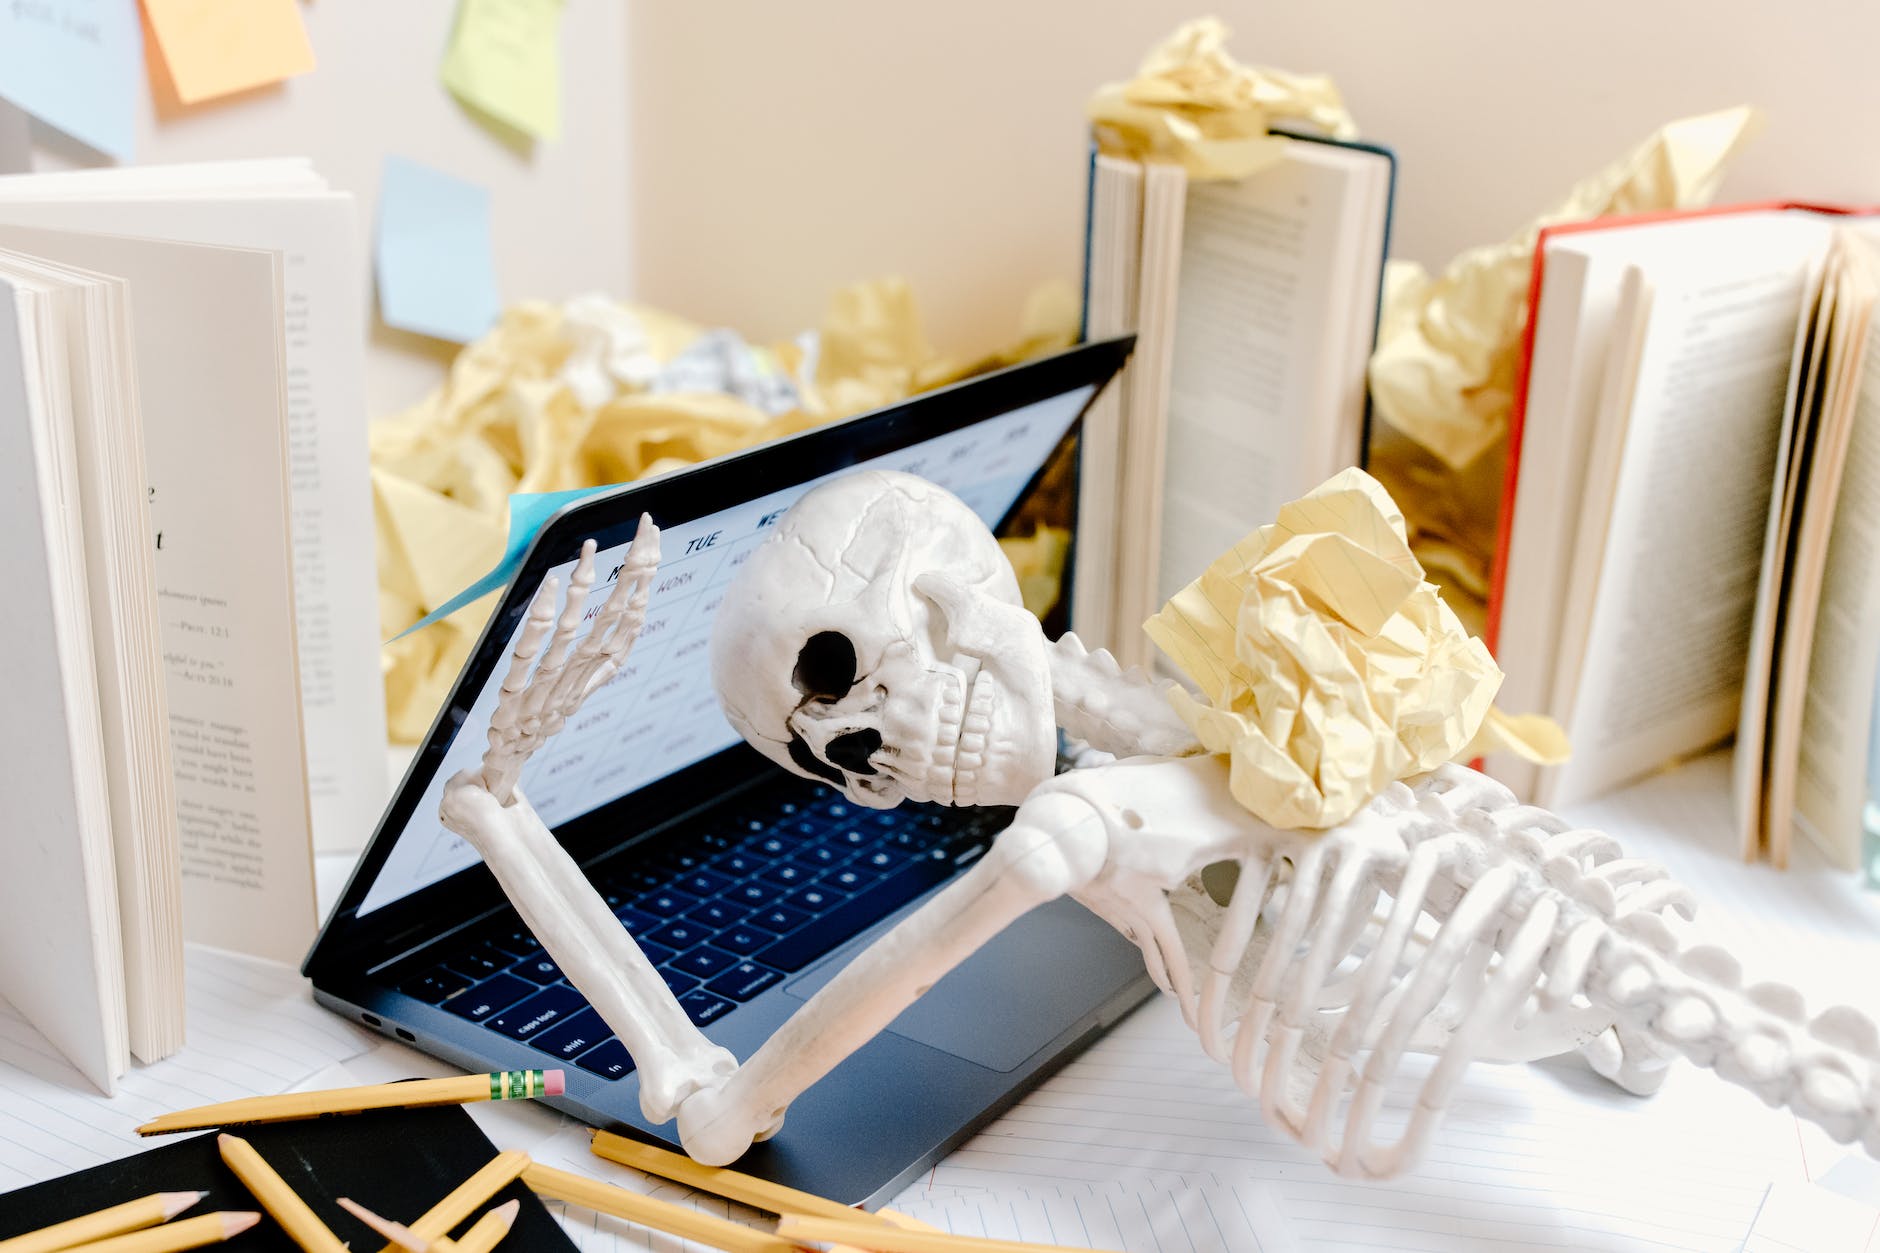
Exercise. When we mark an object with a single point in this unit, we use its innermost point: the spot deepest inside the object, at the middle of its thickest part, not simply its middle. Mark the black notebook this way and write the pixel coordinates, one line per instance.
(395, 1162)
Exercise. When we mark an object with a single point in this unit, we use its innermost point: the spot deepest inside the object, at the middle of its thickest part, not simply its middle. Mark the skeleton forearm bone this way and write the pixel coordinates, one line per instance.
(1054, 846)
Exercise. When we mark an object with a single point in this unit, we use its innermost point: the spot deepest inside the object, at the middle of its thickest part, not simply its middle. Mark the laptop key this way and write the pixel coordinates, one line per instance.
(542, 970)
(436, 986)
(737, 865)
(680, 935)
(704, 962)
(779, 918)
(754, 892)
(788, 875)
(805, 945)
(634, 921)
(678, 981)
(666, 904)
(744, 940)
(545, 1009)
(608, 1059)
(743, 981)
(704, 1008)
(815, 899)
(703, 883)
(489, 997)
(514, 940)
(573, 1037)
(479, 962)
(658, 954)
(851, 878)
(717, 914)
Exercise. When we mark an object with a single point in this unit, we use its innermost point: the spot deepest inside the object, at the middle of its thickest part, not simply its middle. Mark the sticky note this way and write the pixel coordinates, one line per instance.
(74, 65)
(218, 47)
(437, 275)
(504, 59)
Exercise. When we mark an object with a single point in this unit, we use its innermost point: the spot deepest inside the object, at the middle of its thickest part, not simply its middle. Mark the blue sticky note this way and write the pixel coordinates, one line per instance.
(437, 275)
(76, 65)
(528, 511)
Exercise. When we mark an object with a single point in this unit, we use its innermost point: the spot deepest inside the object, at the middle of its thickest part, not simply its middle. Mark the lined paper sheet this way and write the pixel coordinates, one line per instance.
(1209, 1219)
(253, 1030)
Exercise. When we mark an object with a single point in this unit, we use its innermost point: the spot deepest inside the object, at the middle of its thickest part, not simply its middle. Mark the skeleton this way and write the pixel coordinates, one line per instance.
(875, 641)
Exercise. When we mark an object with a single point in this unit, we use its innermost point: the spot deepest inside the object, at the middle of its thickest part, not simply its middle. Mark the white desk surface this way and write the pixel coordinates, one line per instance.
(1143, 1143)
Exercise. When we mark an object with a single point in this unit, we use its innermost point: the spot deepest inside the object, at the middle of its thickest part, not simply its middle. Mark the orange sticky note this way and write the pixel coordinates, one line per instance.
(217, 47)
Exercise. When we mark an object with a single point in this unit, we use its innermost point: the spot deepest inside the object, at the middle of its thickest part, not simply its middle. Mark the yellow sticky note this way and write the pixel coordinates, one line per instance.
(504, 59)
(218, 47)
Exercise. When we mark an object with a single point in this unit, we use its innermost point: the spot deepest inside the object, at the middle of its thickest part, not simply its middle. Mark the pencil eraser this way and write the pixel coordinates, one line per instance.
(554, 1082)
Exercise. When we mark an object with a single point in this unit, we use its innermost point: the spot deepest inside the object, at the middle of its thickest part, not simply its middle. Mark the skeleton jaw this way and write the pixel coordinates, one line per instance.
(938, 754)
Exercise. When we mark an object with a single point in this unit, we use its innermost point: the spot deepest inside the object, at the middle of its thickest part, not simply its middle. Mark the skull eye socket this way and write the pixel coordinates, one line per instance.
(825, 668)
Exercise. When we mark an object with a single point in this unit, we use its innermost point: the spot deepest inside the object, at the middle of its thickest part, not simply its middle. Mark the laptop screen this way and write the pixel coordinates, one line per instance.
(659, 715)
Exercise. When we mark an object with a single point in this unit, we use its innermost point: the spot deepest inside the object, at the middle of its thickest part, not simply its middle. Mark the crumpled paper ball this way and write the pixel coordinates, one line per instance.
(1192, 104)
(1327, 665)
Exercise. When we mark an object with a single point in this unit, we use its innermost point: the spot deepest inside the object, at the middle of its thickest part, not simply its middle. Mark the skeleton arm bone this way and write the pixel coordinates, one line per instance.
(1055, 845)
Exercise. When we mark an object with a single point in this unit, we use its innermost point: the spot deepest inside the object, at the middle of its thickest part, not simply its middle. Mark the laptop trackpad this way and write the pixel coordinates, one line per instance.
(1033, 982)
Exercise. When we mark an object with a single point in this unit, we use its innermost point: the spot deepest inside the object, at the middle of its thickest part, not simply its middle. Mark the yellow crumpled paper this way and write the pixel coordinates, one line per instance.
(1328, 666)
(1192, 104)
(564, 397)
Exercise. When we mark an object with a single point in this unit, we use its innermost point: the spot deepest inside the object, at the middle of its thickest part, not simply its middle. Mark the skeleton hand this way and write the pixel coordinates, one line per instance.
(534, 706)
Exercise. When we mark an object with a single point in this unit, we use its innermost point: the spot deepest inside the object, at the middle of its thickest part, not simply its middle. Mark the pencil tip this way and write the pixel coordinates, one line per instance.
(234, 1222)
(508, 1211)
(175, 1203)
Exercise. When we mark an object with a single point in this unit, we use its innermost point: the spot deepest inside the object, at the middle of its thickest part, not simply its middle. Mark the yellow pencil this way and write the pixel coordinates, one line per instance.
(190, 1233)
(297, 1219)
(397, 1233)
(498, 1173)
(752, 1191)
(506, 1085)
(890, 1239)
(145, 1211)
(678, 1220)
(488, 1231)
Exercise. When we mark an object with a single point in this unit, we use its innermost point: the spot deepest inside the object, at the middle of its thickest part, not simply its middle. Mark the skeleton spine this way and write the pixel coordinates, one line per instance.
(1124, 713)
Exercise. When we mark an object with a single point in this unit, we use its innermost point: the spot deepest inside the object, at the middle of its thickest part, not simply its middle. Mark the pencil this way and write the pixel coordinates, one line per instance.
(190, 1233)
(752, 1191)
(397, 1233)
(890, 1239)
(297, 1219)
(488, 1231)
(504, 1085)
(145, 1211)
(678, 1220)
(498, 1173)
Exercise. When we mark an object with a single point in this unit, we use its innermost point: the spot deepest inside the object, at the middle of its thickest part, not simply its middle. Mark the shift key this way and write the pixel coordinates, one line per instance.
(541, 1011)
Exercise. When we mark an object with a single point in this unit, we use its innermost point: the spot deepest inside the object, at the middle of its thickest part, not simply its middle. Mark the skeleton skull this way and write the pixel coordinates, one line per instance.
(875, 640)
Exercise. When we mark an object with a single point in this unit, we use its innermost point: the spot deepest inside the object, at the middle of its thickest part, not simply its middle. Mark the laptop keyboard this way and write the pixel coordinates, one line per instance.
(724, 911)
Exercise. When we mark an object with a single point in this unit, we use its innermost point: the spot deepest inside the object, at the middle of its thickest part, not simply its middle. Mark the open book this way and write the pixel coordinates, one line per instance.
(158, 768)
(1255, 306)
(1669, 501)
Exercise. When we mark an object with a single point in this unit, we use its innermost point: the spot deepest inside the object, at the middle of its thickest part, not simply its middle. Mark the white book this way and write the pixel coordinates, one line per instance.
(1256, 310)
(282, 205)
(58, 899)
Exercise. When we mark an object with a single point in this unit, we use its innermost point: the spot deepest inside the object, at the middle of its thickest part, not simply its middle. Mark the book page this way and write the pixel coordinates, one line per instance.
(1661, 672)
(1261, 333)
(63, 963)
(1832, 751)
(217, 463)
(1112, 268)
(334, 562)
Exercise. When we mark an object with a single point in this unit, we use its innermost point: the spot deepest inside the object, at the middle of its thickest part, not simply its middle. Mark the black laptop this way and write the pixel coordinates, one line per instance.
(747, 886)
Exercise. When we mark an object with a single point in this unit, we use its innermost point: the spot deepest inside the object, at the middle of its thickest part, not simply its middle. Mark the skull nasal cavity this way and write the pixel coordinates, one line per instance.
(826, 666)
(852, 750)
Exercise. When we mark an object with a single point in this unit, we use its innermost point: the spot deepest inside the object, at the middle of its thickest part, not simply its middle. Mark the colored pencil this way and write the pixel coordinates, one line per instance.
(283, 1204)
(891, 1239)
(145, 1211)
(506, 1085)
(752, 1191)
(678, 1220)
(397, 1233)
(488, 1231)
(190, 1233)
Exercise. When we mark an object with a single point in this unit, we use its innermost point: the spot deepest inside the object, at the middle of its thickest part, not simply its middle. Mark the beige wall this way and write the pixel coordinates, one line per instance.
(559, 214)
(778, 149)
